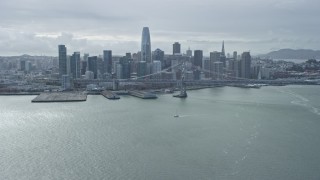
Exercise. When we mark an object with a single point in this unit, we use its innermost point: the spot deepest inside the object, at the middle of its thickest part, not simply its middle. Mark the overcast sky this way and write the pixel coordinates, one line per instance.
(37, 27)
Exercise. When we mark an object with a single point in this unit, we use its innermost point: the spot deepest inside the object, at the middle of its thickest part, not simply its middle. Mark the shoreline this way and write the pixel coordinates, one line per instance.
(152, 90)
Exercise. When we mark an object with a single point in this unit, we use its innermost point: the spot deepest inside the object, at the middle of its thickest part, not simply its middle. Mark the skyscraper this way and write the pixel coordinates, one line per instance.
(158, 54)
(156, 68)
(62, 60)
(84, 65)
(189, 52)
(146, 46)
(107, 61)
(235, 55)
(142, 68)
(223, 55)
(215, 56)
(92, 65)
(22, 65)
(217, 70)
(176, 48)
(75, 65)
(245, 65)
(198, 55)
(125, 67)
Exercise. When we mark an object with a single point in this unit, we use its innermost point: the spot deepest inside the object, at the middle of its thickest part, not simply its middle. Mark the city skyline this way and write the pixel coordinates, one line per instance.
(37, 27)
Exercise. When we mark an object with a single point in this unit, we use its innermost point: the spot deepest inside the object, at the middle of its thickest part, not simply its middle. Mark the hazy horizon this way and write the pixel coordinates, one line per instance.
(36, 27)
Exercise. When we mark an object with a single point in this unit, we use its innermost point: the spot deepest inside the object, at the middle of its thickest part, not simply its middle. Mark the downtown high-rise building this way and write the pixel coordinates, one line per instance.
(235, 55)
(141, 68)
(75, 65)
(215, 56)
(23, 65)
(92, 65)
(107, 61)
(62, 60)
(245, 65)
(197, 58)
(146, 46)
(223, 53)
(156, 69)
(234, 68)
(84, 65)
(223, 58)
(176, 48)
(217, 70)
(125, 67)
(189, 52)
(158, 54)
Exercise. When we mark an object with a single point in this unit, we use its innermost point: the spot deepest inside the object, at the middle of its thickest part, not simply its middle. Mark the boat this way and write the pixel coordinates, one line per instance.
(176, 115)
(168, 91)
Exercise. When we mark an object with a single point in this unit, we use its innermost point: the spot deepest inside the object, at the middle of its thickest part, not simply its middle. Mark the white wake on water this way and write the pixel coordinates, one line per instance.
(302, 101)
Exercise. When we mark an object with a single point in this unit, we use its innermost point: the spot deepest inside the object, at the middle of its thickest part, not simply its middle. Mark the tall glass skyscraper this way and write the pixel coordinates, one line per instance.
(75, 65)
(62, 60)
(176, 48)
(245, 65)
(107, 61)
(146, 46)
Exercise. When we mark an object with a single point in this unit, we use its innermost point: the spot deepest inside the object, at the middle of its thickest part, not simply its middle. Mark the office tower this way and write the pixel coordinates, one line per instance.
(119, 73)
(215, 56)
(223, 53)
(128, 55)
(85, 56)
(75, 65)
(217, 70)
(196, 74)
(206, 67)
(125, 67)
(92, 65)
(189, 52)
(68, 65)
(142, 68)
(100, 67)
(158, 54)
(28, 66)
(107, 61)
(22, 65)
(84, 65)
(234, 68)
(176, 48)
(235, 55)
(62, 60)
(66, 82)
(156, 68)
(245, 65)
(146, 46)
(223, 58)
(197, 59)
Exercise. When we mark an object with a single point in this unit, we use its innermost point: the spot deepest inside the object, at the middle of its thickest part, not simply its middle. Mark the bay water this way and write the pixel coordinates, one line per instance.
(221, 133)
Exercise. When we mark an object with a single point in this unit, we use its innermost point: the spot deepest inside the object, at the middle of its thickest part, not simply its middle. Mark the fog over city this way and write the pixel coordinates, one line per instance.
(36, 27)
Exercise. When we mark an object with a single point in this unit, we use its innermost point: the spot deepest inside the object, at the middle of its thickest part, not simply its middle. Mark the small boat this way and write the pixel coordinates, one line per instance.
(176, 115)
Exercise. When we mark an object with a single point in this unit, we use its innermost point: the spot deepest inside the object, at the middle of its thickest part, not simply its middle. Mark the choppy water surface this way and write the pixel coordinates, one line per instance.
(222, 133)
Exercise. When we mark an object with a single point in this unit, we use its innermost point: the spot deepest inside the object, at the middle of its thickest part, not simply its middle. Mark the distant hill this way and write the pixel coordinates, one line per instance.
(293, 54)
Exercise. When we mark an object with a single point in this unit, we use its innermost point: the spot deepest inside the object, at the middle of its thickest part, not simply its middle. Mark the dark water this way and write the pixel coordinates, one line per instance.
(222, 133)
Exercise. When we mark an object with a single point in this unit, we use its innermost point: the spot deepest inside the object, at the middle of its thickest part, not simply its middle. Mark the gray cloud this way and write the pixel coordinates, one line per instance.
(37, 26)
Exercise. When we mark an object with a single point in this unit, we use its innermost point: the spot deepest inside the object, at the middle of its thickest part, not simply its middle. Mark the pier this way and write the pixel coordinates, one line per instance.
(143, 94)
(60, 97)
(110, 95)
